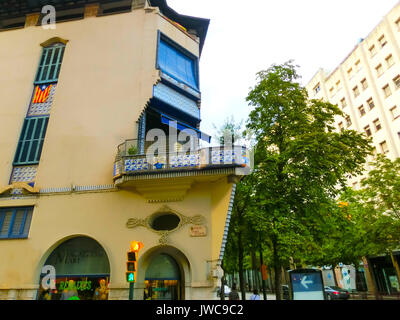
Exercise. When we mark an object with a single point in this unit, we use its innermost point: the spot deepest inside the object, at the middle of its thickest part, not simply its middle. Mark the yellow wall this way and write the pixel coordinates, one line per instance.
(106, 78)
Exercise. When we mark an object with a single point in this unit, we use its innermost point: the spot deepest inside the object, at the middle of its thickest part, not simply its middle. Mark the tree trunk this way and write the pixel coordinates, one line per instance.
(240, 253)
(261, 263)
(277, 269)
(222, 289)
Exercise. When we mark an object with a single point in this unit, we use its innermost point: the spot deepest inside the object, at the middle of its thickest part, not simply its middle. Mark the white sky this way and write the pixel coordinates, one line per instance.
(246, 36)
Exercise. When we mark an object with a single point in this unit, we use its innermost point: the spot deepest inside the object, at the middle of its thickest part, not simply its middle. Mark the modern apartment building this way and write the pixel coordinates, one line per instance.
(82, 104)
(366, 86)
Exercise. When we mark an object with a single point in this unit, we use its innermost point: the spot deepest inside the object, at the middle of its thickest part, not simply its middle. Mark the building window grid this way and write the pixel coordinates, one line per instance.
(368, 131)
(396, 81)
(372, 51)
(15, 222)
(356, 91)
(395, 113)
(371, 103)
(343, 103)
(382, 41)
(361, 109)
(384, 147)
(348, 121)
(379, 70)
(389, 61)
(387, 91)
(364, 84)
(377, 125)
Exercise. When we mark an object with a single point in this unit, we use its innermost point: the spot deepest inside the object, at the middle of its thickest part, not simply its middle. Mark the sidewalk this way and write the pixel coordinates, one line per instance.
(270, 296)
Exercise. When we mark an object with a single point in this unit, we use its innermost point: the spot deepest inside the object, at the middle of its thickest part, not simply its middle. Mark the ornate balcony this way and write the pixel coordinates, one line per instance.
(133, 170)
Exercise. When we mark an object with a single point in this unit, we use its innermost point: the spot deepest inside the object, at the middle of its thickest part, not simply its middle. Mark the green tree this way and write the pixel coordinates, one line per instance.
(301, 163)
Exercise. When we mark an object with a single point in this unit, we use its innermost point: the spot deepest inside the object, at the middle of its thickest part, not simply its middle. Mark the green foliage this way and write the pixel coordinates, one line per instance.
(229, 130)
(301, 166)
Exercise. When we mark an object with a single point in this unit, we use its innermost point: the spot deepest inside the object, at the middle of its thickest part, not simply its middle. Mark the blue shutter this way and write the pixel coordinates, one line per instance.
(15, 222)
(50, 64)
(177, 64)
(31, 141)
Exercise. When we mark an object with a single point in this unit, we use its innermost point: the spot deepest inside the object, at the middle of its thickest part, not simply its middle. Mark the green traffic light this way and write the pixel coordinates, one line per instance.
(131, 277)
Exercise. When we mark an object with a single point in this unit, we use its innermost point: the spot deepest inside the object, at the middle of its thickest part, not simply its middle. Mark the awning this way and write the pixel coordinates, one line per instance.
(182, 126)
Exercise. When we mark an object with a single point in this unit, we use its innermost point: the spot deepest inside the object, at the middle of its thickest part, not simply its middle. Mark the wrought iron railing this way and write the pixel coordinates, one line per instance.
(130, 161)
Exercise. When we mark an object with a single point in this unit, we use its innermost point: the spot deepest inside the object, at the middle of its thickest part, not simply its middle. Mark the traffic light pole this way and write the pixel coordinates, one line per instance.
(131, 287)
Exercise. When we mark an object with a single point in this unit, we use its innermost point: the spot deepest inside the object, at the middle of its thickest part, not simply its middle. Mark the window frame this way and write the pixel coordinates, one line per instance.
(364, 84)
(362, 110)
(23, 139)
(21, 234)
(389, 61)
(381, 43)
(57, 64)
(162, 37)
(387, 91)
(377, 124)
(395, 116)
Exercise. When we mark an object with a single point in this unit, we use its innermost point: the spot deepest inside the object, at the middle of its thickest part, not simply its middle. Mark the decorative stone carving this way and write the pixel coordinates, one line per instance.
(184, 220)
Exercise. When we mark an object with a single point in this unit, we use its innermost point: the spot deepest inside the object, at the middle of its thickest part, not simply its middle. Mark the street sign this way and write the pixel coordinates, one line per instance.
(307, 284)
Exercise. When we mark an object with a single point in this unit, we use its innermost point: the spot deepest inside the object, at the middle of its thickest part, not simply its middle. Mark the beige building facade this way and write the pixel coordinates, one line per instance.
(76, 184)
(366, 87)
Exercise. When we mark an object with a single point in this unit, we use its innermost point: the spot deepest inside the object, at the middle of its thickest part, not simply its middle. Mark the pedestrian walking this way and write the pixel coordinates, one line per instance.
(255, 295)
(234, 295)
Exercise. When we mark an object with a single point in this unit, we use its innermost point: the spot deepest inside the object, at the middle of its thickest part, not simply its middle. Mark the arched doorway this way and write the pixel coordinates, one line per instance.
(82, 271)
(163, 279)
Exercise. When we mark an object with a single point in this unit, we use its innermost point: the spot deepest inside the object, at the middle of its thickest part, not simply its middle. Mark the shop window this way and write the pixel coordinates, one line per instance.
(163, 279)
(15, 222)
(177, 62)
(31, 141)
(82, 271)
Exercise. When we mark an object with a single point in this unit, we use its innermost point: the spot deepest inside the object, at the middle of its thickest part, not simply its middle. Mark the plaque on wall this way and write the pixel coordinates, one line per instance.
(198, 231)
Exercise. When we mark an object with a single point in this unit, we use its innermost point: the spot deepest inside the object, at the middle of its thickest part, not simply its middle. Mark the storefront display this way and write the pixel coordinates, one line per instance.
(82, 271)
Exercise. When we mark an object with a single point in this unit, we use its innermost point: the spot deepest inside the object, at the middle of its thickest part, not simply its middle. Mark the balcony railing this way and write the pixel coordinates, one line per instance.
(130, 162)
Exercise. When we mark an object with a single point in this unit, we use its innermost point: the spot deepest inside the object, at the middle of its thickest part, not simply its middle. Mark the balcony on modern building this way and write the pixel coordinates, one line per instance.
(176, 170)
